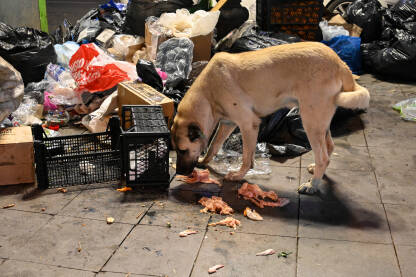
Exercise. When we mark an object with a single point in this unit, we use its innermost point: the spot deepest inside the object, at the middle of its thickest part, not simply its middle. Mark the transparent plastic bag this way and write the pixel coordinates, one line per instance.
(25, 113)
(407, 109)
(230, 158)
(121, 43)
(329, 32)
(65, 51)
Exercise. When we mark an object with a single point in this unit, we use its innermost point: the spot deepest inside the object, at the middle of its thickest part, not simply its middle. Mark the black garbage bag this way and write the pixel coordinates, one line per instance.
(392, 60)
(28, 50)
(139, 10)
(367, 15)
(148, 73)
(232, 16)
(64, 32)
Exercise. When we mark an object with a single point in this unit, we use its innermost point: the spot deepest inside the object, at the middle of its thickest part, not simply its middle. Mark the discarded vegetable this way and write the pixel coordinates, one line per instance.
(124, 189)
(283, 254)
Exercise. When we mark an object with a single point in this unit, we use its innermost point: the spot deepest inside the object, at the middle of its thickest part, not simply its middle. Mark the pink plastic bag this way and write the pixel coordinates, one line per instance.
(94, 70)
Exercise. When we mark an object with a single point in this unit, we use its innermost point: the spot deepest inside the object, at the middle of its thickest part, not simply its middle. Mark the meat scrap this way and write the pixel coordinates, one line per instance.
(215, 205)
(215, 268)
(228, 221)
(252, 214)
(187, 233)
(257, 196)
(266, 252)
(201, 176)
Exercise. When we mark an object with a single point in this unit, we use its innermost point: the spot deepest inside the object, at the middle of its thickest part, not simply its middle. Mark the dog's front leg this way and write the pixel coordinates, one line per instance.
(249, 134)
(224, 130)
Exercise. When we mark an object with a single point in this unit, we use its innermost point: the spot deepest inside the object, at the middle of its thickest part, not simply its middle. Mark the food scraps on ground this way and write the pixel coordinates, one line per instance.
(79, 247)
(9, 206)
(256, 195)
(283, 254)
(201, 176)
(311, 168)
(252, 214)
(266, 252)
(124, 189)
(215, 205)
(43, 209)
(187, 232)
(228, 221)
(169, 225)
(63, 190)
(110, 220)
(215, 268)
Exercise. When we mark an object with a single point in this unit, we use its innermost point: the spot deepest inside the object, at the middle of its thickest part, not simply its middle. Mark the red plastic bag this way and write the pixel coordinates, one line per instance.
(94, 70)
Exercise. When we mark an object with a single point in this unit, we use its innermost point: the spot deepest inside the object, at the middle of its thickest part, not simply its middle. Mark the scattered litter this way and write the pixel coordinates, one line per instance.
(407, 109)
(43, 209)
(187, 233)
(169, 225)
(311, 168)
(110, 220)
(266, 252)
(124, 189)
(283, 254)
(199, 176)
(8, 206)
(63, 190)
(253, 193)
(215, 205)
(79, 247)
(232, 233)
(143, 205)
(228, 221)
(215, 268)
(252, 214)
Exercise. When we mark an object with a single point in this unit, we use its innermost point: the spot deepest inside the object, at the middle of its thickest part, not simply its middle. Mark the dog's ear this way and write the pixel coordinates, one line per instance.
(194, 132)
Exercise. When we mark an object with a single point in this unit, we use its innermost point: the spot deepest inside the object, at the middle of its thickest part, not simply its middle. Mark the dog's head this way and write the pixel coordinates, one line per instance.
(188, 140)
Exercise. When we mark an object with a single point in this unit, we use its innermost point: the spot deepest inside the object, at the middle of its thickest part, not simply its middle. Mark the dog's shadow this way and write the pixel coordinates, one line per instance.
(327, 208)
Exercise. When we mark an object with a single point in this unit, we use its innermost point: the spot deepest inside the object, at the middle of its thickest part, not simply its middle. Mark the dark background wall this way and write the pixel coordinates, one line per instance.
(72, 10)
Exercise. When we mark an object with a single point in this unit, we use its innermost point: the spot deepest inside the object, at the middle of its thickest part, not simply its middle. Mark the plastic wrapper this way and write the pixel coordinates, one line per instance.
(61, 75)
(139, 10)
(232, 16)
(229, 158)
(97, 121)
(25, 113)
(112, 5)
(367, 15)
(407, 109)
(329, 32)
(88, 30)
(175, 57)
(65, 51)
(93, 70)
(28, 50)
(149, 75)
(121, 45)
(348, 49)
(139, 55)
(11, 89)
(57, 117)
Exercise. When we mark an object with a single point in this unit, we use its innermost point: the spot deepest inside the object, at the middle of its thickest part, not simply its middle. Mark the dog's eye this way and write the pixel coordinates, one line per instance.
(182, 152)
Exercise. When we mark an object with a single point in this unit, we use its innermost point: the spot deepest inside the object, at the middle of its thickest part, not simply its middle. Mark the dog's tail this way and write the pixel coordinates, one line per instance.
(353, 95)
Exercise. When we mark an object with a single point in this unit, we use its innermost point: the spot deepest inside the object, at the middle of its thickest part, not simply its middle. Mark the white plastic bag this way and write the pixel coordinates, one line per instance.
(65, 51)
(121, 44)
(329, 32)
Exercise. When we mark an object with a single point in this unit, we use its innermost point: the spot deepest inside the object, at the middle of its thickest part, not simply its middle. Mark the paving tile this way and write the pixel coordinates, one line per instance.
(357, 186)
(402, 219)
(277, 221)
(179, 214)
(344, 157)
(17, 228)
(36, 201)
(285, 161)
(343, 221)
(156, 250)
(238, 253)
(102, 203)
(407, 259)
(57, 243)
(114, 274)
(339, 258)
(394, 168)
(12, 268)
(348, 131)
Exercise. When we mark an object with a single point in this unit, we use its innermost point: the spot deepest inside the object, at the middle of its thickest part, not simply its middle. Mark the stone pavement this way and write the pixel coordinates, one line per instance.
(364, 226)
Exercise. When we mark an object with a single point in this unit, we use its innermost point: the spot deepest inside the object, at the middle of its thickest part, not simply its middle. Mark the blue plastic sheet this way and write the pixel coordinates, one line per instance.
(348, 49)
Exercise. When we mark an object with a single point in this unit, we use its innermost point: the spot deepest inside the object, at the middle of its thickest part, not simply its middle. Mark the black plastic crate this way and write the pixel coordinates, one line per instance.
(294, 17)
(145, 146)
(79, 159)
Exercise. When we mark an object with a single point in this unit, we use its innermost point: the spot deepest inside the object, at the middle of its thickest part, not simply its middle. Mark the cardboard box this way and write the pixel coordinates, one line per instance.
(202, 45)
(16, 158)
(133, 93)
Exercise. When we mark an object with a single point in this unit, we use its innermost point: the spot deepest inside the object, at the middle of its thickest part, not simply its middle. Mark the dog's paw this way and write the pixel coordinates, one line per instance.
(310, 187)
(311, 168)
(234, 176)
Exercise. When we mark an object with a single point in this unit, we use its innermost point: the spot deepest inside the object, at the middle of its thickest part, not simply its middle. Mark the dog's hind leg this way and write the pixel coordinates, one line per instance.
(224, 130)
(329, 147)
(316, 122)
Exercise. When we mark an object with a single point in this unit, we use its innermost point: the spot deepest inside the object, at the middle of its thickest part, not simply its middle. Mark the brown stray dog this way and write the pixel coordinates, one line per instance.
(237, 89)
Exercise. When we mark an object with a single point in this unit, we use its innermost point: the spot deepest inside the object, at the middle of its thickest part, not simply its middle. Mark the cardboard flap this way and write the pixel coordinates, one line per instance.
(16, 135)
